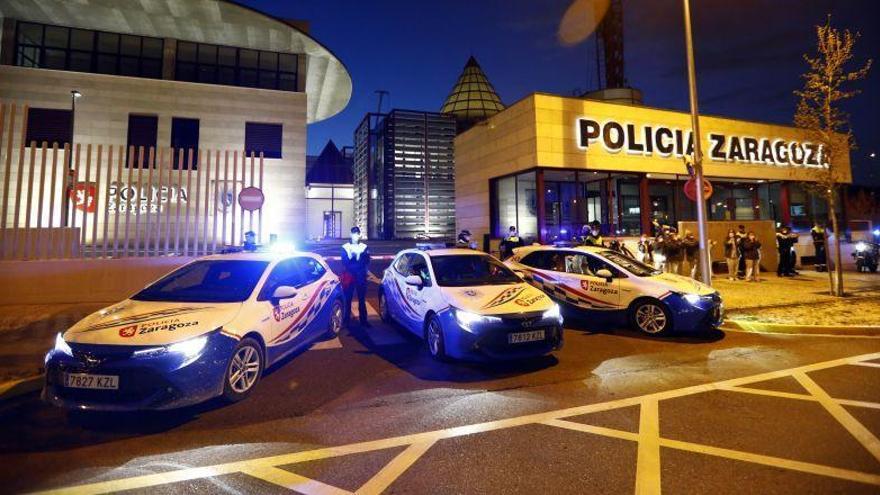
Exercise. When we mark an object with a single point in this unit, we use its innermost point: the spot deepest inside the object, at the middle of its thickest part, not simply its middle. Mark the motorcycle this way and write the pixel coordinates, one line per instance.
(867, 255)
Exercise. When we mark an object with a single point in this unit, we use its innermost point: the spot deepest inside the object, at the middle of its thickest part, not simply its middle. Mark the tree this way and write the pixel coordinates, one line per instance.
(827, 82)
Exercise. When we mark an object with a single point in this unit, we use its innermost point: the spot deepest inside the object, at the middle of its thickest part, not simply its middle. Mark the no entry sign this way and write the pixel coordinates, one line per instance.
(250, 198)
(690, 189)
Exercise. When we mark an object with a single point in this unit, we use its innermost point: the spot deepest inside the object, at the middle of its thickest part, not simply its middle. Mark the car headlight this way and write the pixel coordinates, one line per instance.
(466, 319)
(861, 246)
(61, 346)
(692, 299)
(188, 348)
(552, 313)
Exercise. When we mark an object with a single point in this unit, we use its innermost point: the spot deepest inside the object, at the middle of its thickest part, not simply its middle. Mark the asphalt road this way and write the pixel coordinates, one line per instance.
(612, 412)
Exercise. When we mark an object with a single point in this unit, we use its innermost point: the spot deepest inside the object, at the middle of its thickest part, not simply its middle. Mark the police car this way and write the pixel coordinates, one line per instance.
(600, 282)
(467, 305)
(209, 328)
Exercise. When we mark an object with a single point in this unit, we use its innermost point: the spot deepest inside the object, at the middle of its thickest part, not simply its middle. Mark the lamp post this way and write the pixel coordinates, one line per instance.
(702, 225)
(74, 95)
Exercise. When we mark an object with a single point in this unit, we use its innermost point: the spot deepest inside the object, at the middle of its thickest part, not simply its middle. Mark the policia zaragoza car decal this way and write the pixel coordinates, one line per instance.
(304, 316)
(568, 294)
(407, 307)
(133, 320)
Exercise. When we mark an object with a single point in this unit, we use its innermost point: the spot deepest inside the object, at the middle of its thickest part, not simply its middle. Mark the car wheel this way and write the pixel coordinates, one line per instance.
(243, 371)
(337, 314)
(651, 317)
(434, 339)
(384, 311)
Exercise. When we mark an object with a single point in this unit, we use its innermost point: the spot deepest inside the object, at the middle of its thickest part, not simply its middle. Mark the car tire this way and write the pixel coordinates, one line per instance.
(384, 310)
(243, 371)
(434, 339)
(337, 315)
(651, 317)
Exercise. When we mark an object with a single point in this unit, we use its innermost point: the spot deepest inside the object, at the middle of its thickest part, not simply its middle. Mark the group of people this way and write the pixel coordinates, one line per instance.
(742, 254)
(671, 252)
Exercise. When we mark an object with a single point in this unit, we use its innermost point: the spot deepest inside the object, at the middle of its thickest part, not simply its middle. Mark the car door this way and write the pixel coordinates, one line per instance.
(396, 294)
(287, 319)
(597, 292)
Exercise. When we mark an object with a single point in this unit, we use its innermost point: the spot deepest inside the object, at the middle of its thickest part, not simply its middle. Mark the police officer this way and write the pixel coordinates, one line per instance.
(250, 241)
(356, 260)
(513, 240)
(595, 237)
(785, 241)
(465, 241)
(818, 235)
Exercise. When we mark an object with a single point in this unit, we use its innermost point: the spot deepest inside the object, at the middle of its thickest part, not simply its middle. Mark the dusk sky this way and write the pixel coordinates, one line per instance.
(748, 55)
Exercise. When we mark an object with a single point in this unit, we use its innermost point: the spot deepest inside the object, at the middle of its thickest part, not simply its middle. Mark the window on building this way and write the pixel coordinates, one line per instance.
(84, 50)
(142, 132)
(265, 138)
(51, 125)
(185, 136)
(216, 64)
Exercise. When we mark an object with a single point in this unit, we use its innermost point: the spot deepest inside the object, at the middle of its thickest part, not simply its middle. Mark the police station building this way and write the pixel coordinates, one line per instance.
(550, 164)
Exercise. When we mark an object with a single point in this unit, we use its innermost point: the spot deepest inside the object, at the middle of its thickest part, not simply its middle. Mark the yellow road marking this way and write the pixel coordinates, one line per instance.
(807, 397)
(293, 481)
(548, 417)
(870, 365)
(648, 461)
(596, 430)
(383, 479)
(856, 429)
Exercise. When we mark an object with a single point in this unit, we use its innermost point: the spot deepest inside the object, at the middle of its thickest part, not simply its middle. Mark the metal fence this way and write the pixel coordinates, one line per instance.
(95, 200)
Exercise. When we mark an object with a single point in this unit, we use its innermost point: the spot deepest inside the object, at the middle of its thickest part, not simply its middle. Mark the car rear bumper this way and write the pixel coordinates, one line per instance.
(490, 341)
(165, 381)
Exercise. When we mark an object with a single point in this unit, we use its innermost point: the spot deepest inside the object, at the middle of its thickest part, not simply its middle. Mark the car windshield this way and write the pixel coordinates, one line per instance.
(216, 281)
(635, 267)
(462, 270)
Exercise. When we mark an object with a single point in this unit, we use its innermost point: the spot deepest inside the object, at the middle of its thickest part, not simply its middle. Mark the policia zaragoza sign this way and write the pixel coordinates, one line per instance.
(649, 140)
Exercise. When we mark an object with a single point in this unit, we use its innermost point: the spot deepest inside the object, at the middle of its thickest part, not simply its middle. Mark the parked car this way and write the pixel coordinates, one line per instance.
(208, 329)
(467, 305)
(600, 282)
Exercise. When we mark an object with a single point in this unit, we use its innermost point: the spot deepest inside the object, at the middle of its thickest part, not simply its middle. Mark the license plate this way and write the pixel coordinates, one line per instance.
(96, 382)
(520, 337)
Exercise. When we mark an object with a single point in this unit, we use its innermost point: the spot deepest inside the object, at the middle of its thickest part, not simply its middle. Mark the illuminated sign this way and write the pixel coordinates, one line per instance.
(665, 142)
(124, 197)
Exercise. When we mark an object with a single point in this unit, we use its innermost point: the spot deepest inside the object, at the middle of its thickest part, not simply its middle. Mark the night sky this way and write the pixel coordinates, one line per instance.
(748, 55)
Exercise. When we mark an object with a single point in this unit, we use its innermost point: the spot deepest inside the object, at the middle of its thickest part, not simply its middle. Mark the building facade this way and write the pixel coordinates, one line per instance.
(330, 193)
(404, 175)
(204, 75)
(550, 164)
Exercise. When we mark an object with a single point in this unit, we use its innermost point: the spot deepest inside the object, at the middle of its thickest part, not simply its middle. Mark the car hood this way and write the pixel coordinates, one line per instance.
(150, 322)
(498, 299)
(682, 284)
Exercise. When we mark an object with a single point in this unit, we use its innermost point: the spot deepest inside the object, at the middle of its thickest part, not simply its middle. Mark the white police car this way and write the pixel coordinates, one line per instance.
(209, 328)
(468, 305)
(598, 282)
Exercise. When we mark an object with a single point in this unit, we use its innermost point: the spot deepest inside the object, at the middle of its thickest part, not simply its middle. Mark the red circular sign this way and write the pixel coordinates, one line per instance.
(250, 198)
(690, 189)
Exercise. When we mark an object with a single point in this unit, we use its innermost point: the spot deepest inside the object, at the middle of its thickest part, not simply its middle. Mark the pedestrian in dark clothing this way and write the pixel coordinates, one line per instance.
(740, 236)
(818, 235)
(645, 252)
(356, 261)
(513, 240)
(674, 249)
(691, 247)
(731, 253)
(660, 252)
(751, 252)
(785, 241)
(465, 241)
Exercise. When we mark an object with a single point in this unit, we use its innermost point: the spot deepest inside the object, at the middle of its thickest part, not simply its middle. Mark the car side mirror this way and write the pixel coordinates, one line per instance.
(520, 273)
(414, 280)
(606, 274)
(282, 292)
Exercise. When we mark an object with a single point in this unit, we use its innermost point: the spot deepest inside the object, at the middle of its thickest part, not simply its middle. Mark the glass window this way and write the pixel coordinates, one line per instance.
(185, 136)
(310, 269)
(286, 273)
(215, 64)
(82, 50)
(51, 125)
(527, 205)
(207, 281)
(142, 132)
(402, 264)
(463, 270)
(418, 266)
(262, 138)
(186, 52)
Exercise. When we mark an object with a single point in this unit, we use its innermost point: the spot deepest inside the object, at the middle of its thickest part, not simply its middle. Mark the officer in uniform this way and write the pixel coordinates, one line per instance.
(356, 260)
(465, 241)
(513, 240)
(785, 241)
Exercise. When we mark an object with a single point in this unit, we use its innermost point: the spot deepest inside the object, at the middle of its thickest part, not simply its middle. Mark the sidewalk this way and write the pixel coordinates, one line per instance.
(802, 300)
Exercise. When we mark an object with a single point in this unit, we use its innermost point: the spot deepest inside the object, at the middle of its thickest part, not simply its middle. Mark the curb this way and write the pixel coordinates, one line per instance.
(781, 328)
(15, 388)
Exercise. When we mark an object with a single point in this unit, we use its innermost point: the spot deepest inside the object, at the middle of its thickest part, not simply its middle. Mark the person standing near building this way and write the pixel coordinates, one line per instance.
(785, 244)
(356, 261)
(731, 253)
(751, 253)
(674, 253)
(818, 235)
(645, 250)
(740, 237)
(513, 240)
(691, 247)
(465, 241)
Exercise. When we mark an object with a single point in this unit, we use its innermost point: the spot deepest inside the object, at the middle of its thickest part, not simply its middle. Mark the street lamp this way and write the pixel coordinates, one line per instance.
(74, 95)
(702, 226)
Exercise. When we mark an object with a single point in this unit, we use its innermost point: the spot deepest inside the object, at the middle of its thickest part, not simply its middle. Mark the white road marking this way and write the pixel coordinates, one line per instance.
(419, 442)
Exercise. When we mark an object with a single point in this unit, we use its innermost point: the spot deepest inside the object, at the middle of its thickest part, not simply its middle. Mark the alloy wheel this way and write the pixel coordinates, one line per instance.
(244, 369)
(434, 337)
(650, 318)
